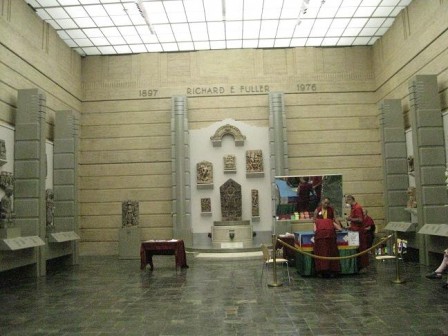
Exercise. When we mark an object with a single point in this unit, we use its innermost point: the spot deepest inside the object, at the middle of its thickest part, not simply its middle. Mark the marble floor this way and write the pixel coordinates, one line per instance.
(215, 296)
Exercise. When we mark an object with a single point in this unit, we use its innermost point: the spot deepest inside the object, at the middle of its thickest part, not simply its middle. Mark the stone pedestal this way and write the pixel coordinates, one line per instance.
(129, 243)
(238, 235)
(9, 233)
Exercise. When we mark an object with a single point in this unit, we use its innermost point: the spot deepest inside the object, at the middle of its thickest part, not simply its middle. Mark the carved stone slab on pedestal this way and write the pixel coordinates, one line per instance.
(60, 237)
(129, 243)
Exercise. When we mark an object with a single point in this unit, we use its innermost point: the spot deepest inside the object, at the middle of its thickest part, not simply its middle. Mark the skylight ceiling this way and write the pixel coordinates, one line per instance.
(108, 27)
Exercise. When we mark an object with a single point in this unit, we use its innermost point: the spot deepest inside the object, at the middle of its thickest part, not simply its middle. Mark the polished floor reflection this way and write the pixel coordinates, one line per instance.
(107, 296)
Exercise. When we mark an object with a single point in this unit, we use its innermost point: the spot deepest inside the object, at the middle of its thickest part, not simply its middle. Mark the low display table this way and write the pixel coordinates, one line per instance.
(163, 247)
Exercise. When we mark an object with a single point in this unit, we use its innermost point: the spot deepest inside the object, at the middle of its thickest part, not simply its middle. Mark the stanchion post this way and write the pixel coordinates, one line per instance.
(275, 283)
(397, 266)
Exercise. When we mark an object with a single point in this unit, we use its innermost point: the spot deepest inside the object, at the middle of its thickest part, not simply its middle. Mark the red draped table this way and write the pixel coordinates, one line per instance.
(163, 247)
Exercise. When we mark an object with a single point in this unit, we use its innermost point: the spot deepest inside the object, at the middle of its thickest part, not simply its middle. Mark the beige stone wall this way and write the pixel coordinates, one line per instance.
(126, 144)
(330, 96)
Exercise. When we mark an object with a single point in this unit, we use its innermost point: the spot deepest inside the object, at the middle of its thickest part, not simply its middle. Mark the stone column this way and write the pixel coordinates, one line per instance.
(30, 168)
(429, 157)
(395, 173)
(277, 134)
(180, 159)
(65, 175)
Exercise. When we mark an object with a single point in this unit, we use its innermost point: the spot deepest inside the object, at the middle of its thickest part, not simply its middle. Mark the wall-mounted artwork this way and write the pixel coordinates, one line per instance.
(2, 151)
(254, 163)
(49, 220)
(206, 205)
(231, 205)
(204, 174)
(6, 209)
(255, 203)
(228, 130)
(229, 163)
(130, 213)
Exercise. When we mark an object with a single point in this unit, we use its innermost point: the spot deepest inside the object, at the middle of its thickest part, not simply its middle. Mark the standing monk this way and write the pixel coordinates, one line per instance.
(325, 244)
(356, 220)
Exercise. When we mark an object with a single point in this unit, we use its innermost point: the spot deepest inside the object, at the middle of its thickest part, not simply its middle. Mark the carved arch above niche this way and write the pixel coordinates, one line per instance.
(228, 130)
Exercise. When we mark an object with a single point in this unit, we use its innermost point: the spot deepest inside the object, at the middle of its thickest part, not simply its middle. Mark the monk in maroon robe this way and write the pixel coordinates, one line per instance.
(356, 220)
(325, 244)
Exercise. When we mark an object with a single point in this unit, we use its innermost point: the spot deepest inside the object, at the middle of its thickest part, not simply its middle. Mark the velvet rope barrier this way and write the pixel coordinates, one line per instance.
(336, 258)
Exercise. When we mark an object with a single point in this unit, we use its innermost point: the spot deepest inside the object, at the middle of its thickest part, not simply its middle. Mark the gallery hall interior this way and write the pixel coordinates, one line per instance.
(224, 167)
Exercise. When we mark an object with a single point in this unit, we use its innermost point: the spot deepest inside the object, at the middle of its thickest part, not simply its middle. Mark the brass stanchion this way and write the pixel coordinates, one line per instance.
(397, 266)
(274, 267)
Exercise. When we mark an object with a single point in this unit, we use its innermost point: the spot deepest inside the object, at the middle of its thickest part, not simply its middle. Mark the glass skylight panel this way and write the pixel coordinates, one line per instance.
(327, 12)
(298, 42)
(143, 31)
(84, 42)
(213, 10)
(84, 22)
(364, 11)
(351, 32)
(87, 2)
(116, 40)
(154, 47)
(175, 11)
(103, 21)
(57, 13)
(198, 31)
(320, 27)
(202, 45)
(388, 23)
(251, 29)
(345, 41)
(80, 51)
(122, 49)
(156, 12)
(107, 50)
(370, 3)
(68, 2)
(169, 47)
(216, 30)
(389, 3)
(185, 45)
(314, 42)
(66, 23)
(268, 28)
(181, 32)
(368, 32)
(93, 32)
(53, 24)
(71, 43)
(252, 9)
(373, 40)
(234, 30)
(76, 12)
(114, 9)
(234, 44)
(282, 43)
(291, 9)
(137, 19)
(217, 44)
(99, 41)
(43, 14)
(250, 43)
(164, 33)
(286, 28)
(194, 10)
(346, 12)
(396, 11)
(404, 3)
(234, 10)
(381, 31)
(76, 33)
(330, 41)
(63, 35)
(96, 10)
(333, 32)
(351, 3)
(374, 23)
(110, 31)
(304, 28)
(361, 40)
(357, 23)
(383, 11)
(138, 48)
(340, 23)
(134, 39)
(266, 43)
(48, 3)
(121, 20)
(128, 30)
(272, 9)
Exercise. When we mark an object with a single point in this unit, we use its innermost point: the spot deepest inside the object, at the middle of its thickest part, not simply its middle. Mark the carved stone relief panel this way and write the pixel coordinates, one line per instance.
(227, 130)
(255, 203)
(231, 205)
(206, 205)
(254, 162)
(49, 198)
(6, 207)
(2, 150)
(230, 163)
(204, 173)
(130, 213)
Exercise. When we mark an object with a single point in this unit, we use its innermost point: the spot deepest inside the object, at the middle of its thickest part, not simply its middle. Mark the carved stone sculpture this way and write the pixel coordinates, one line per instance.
(255, 203)
(231, 205)
(230, 162)
(206, 205)
(6, 209)
(130, 213)
(204, 172)
(2, 150)
(410, 163)
(254, 161)
(412, 200)
(227, 130)
(49, 197)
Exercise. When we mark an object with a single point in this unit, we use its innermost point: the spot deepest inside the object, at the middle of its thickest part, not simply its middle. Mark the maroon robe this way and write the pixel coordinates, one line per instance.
(325, 245)
(356, 212)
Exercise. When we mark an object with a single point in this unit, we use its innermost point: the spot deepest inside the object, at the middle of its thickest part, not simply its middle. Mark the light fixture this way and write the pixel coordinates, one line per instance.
(142, 11)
